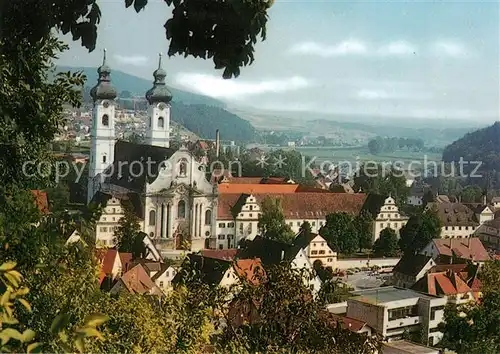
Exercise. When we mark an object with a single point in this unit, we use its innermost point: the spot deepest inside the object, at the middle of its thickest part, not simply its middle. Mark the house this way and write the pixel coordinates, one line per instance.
(460, 220)
(163, 277)
(456, 250)
(317, 249)
(240, 205)
(272, 252)
(410, 269)
(447, 284)
(393, 311)
(489, 233)
(385, 213)
(112, 265)
(351, 324)
(136, 281)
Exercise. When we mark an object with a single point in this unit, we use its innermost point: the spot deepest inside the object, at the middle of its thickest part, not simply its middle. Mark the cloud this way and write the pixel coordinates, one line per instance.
(347, 47)
(373, 94)
(136, 60)
(217, 87)
(449, 48)
(398, 48)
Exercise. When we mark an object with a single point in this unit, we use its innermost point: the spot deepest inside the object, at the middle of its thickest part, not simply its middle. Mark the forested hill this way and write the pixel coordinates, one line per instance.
(203, 120)
(480, 145)
(130, 84)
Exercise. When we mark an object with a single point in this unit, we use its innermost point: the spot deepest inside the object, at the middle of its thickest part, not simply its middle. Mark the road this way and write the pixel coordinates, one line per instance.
(362, 280)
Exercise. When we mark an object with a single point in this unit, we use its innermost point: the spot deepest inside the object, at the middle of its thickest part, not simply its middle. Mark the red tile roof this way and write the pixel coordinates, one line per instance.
(317, 205)
(346, 322)
(467, 248)
(224, 205)
(251, 269)
(443, 283)
(137, 281)
(108, 261)
(126, 260)
(454, 214)
(41, 200)
(226, 255)
(225, 188)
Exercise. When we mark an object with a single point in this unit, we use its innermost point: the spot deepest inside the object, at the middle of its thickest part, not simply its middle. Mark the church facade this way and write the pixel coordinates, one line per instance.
(167, 189)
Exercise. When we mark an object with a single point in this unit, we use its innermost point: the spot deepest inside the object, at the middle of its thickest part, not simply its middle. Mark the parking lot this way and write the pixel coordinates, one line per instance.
(365, 280)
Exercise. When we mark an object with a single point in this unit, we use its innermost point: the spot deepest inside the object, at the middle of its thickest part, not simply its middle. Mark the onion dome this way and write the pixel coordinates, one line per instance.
(103, 90)
(159, 92)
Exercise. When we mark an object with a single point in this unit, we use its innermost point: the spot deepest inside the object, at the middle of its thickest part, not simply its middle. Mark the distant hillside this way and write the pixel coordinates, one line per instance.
(138, 86)
(203, 120)
(480, 145)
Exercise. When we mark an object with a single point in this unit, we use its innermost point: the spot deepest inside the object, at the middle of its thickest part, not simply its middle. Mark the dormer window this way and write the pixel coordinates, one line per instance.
(105, 120)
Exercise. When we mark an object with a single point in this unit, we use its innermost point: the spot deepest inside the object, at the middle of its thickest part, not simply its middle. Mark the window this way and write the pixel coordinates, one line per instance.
(221, 246)
(114, 210)
(314, 223)
(321, 223)
(290, 223)
(181, 209)
(105, 120)
(460, 228)
(403, 312)
(251, 207)
(433, 311)
(231, 224)
(208, 217)
(182, 167)
(382, 225)
(152, 218)
(221, 237)
(298, 223)
(103, 158)
(150, 122)
(161, 122)
(161, 284)
(322, 252)
(250, 215)
(329, 260)
(446, 228)
(241, 228)
(453, 228)
(221, 224)
(314, 252)
(250, 227)
(103, 218)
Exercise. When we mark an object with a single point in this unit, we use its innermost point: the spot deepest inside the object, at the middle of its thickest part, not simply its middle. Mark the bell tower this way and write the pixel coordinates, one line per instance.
(103, 128)
(158, 97)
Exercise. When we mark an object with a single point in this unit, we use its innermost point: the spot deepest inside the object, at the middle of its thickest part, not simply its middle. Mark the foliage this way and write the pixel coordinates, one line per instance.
(379, 145)
(387, 244)
(272, 222)
(280, 316)
(334, 291)
(382, 180)
(419, 231)
(128, 236)
(223, 31)
(28, 125)
(306, 228)
(340, 232)
(364, 225)
(472, 194)
(475, 328)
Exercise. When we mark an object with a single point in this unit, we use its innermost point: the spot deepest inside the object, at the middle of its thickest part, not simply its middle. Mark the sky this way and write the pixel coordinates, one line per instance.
(402, 60)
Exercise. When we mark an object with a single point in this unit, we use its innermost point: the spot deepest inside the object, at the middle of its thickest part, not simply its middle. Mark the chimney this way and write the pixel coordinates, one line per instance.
(217, 143)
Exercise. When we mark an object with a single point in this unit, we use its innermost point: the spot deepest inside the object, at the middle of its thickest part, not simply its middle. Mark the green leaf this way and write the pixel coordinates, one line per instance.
(59, 323)
(28, 335)
(7, 266)
(95, 319)
(26, 304)
(34, 348)
(10, 333)
(5, 297)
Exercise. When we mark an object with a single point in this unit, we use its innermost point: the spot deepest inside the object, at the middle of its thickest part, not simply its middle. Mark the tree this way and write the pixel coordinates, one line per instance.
(58, 197)
(419, 231)
(334, 291)
(364, 226)
(220, 30)
(272, 222)
(472, 194)
(340, 233)
(387, 244)
(474, 327)
(306, 228)
(128, 236)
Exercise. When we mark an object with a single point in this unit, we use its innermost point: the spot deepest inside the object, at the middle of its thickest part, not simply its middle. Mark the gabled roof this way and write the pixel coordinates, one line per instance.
(346, 322)
(108, 261)
(467, 248)
(478, 208)
(41, 200)
(250, 269)
(211, 270)
(226, 254)
(126, 259)
(412, 264)
(454, 214)
(137, 281)
(442, 283)
(225, 204)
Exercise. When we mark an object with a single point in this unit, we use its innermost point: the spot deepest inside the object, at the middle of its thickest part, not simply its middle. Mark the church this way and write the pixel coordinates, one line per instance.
(166, 188)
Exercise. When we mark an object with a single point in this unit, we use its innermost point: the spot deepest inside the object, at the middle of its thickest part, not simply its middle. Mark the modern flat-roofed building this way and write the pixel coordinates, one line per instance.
(393, 311)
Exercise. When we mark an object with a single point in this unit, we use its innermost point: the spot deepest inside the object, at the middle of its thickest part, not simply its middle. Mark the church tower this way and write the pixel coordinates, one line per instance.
(103, 128)
(159, 97)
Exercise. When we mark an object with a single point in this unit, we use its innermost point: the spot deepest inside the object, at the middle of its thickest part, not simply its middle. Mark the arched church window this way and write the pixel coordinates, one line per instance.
(182, 167)
(150, 122)
(161, 122)
(103, 158)
(152, 217)
(208, 217)
(105, 120)
(181, 209)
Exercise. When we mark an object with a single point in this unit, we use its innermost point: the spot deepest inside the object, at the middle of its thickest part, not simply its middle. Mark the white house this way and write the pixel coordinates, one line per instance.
(388, 216)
